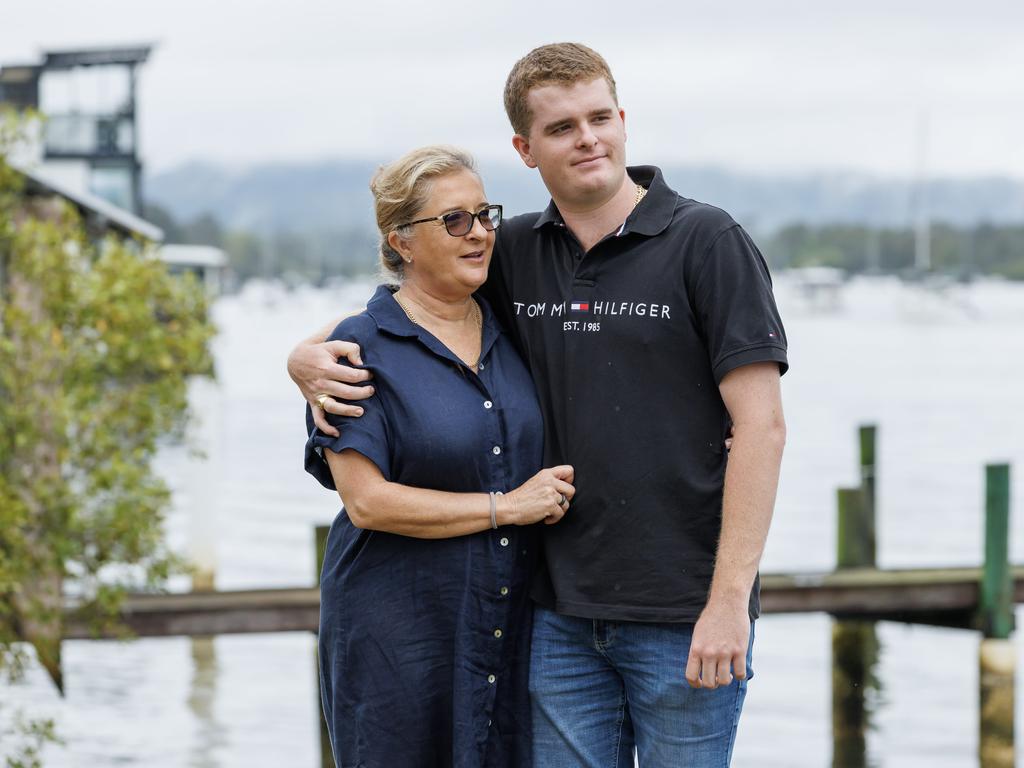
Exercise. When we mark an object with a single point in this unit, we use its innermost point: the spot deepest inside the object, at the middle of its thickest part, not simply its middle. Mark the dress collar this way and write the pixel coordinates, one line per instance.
(391, 318)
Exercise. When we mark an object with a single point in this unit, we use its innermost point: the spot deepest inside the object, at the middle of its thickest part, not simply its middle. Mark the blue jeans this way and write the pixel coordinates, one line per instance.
(599, 689)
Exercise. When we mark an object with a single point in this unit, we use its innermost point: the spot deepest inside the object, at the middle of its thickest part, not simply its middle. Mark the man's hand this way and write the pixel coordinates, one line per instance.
(315, 369)
(718, 649)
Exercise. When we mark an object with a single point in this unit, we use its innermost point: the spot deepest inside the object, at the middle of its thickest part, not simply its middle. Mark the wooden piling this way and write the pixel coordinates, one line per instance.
(996, 598)
(996, 662)
(322, 532)
(855, 643)
(996, 655)
(326, 752)
(868, 437)
(855, 543)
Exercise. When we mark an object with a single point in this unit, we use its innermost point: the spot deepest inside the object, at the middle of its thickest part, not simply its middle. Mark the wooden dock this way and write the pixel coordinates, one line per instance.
(946, 597)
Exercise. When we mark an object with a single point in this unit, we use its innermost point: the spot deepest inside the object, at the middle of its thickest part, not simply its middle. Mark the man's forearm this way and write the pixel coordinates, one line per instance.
(748, 500)
(721, 635)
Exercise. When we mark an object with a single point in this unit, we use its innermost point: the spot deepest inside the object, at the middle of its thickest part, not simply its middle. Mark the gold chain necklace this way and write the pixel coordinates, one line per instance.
(477, 317)
(640, 192)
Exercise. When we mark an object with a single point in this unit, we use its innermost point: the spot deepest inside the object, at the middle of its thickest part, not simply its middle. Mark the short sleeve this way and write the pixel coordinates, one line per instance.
(368, 434)
(735, 307)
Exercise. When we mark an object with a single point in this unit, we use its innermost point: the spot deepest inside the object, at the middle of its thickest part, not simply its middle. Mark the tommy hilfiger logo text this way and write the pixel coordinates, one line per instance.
(602, 308)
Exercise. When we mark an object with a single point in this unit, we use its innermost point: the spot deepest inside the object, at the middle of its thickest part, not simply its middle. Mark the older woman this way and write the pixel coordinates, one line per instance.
(425, 614)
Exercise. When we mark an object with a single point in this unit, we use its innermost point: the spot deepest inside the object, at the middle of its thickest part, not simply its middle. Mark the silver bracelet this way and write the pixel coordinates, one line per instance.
(494, 510)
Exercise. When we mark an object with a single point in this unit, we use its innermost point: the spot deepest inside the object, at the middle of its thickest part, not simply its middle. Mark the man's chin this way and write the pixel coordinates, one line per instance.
(596, 180)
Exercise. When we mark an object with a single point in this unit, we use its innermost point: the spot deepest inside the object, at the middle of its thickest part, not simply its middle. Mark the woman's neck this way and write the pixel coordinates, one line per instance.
(436, 306)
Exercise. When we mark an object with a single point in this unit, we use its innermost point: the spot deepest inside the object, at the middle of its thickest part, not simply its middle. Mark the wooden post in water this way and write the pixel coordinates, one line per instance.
(868, 436)
(322, 532)
(198, 479)
(326, 753)
(854, 643)
(995, 616)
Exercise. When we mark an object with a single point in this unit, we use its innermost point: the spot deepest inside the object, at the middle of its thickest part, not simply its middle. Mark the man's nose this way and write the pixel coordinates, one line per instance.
(587, 137)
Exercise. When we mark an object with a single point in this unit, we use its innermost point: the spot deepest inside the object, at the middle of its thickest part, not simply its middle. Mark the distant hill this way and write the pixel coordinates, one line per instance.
(333, 194)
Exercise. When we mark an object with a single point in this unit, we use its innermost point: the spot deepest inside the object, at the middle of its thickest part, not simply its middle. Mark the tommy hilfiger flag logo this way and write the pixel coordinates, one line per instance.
(580, 306)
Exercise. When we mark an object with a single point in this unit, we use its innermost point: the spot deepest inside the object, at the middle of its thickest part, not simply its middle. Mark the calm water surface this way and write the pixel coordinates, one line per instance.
(940, 372)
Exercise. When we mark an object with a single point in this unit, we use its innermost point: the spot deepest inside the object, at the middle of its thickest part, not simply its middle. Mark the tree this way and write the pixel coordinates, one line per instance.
(97, 343)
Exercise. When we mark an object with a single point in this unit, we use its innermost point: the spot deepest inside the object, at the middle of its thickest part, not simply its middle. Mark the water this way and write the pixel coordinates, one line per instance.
(940, 373)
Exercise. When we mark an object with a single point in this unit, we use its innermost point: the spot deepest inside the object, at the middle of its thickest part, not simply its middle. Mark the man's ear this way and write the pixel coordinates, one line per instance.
(522, 145)
(622, 117)
(401, 245)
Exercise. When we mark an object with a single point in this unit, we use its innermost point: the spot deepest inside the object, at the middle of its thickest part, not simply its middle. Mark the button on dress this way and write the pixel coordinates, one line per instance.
(424, 643)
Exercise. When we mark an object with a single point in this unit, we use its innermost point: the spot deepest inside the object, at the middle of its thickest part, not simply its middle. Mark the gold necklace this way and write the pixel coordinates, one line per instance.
(640, 192)
(477, 317)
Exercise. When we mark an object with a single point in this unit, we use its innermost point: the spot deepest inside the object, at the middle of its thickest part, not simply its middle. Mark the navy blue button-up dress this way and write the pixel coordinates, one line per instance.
(424, 643)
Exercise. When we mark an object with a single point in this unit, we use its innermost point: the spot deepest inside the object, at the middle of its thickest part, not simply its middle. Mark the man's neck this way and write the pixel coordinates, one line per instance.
(590, 224)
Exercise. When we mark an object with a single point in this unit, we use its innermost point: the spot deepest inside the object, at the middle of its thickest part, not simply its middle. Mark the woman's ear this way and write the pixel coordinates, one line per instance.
(401, 246)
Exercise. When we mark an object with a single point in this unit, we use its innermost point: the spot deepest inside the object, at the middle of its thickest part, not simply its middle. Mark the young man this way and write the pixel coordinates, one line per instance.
(649, 326)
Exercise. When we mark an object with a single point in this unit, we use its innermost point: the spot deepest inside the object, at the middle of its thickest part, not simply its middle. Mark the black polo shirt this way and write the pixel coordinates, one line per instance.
(627, 344)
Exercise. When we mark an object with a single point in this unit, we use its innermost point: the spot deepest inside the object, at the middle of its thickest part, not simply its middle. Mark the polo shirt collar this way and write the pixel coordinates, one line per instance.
(391, 318)
(549, 216)
(651, 218)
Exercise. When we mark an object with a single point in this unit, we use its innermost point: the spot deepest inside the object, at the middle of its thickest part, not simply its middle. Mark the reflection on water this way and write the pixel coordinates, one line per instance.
(209, 735)
(856, 691)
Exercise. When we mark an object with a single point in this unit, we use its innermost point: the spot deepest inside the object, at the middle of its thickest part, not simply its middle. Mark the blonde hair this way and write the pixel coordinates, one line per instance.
(402, 189)
(554, 64)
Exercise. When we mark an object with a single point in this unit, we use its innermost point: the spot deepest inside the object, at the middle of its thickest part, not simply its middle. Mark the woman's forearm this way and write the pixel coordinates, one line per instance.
(422, 513)
(376, 504)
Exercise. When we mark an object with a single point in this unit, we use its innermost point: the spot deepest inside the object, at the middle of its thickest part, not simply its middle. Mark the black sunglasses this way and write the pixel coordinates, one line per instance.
(459, 223)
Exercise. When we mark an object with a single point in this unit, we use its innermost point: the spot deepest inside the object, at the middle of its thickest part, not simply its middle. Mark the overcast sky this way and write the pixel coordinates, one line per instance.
(750, 85)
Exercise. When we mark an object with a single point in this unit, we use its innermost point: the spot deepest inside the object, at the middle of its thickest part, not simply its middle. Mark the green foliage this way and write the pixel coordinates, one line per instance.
(984, 249)
(34, 735)
(97, 344)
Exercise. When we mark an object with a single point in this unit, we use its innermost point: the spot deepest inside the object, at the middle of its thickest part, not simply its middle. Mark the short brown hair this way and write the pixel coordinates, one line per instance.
(554, 64)
(402, 189)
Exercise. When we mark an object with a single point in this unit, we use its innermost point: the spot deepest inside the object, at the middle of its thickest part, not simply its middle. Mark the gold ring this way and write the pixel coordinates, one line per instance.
(321, 399)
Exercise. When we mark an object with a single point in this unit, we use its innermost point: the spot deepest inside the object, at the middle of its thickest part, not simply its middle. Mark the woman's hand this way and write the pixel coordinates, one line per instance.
(545, 496)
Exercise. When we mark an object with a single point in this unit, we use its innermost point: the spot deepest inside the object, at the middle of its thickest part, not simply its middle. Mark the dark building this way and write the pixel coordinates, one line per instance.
(89, 139)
